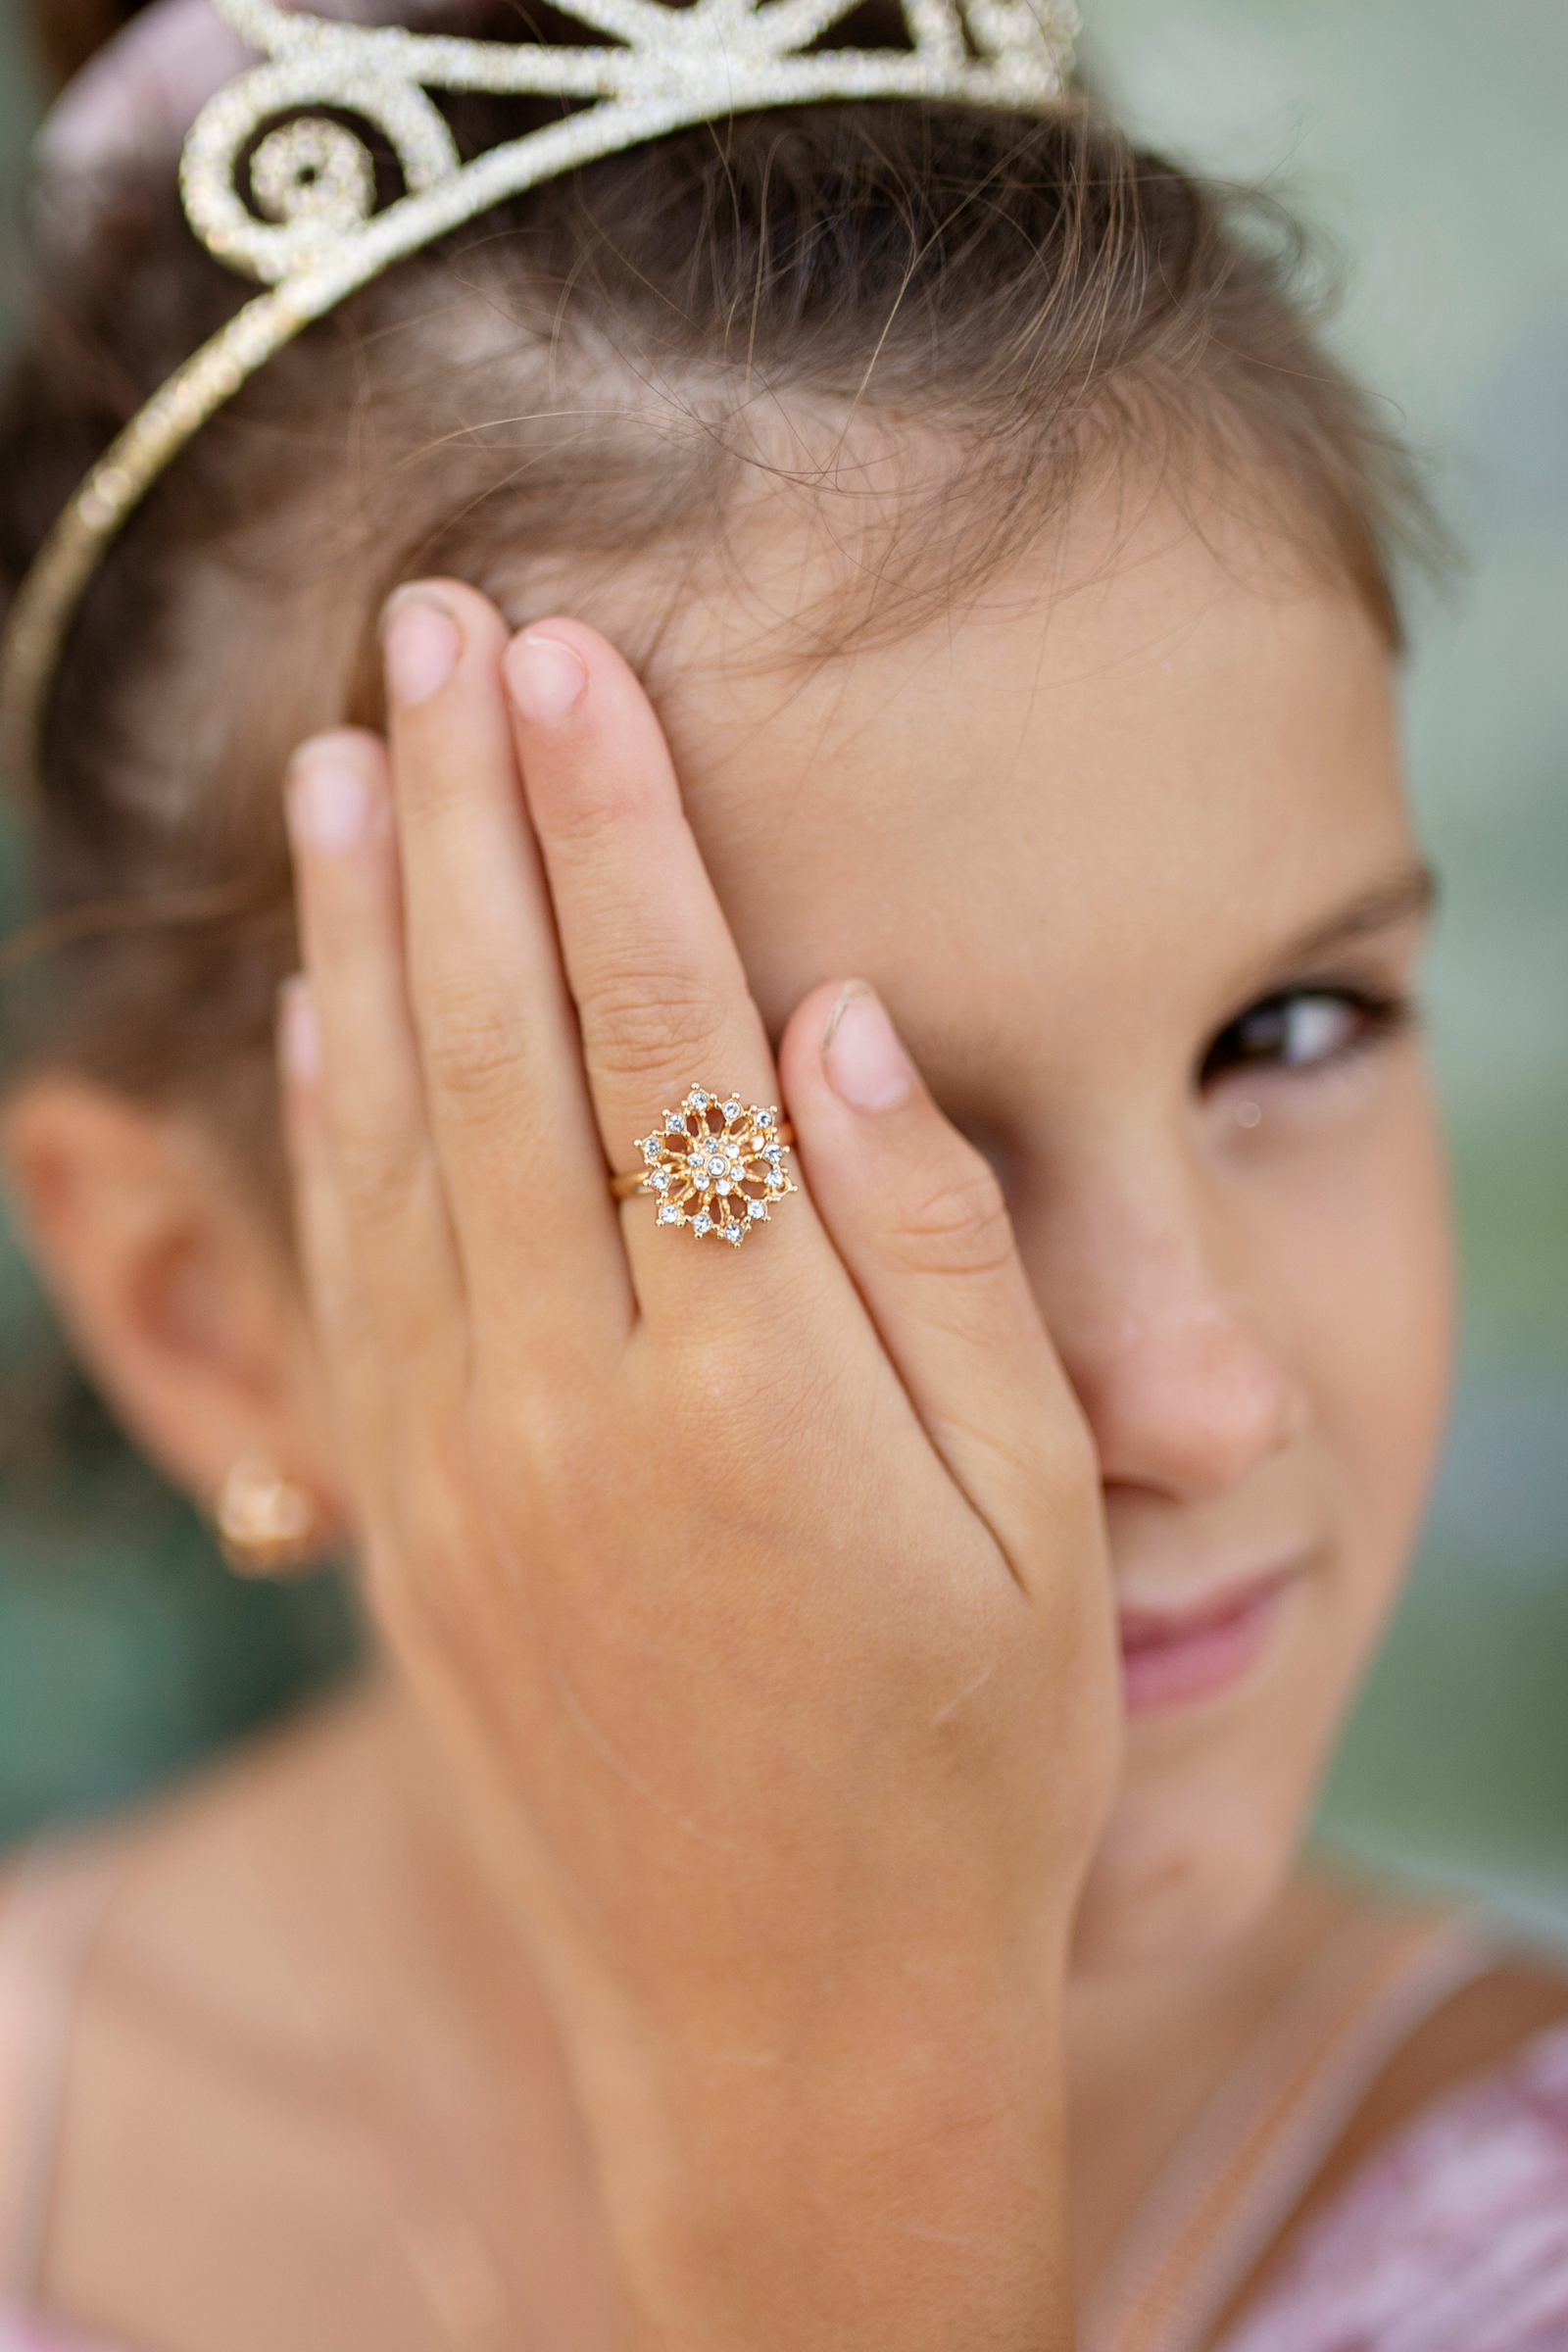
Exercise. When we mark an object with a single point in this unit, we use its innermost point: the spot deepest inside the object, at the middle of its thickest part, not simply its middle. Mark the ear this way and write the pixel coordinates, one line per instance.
(180, 1298)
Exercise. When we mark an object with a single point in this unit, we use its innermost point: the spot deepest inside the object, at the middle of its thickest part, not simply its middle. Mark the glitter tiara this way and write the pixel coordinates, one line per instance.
(296, 207)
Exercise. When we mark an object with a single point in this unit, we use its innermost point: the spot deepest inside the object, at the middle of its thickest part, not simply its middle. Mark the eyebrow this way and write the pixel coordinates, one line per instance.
(1405, 897)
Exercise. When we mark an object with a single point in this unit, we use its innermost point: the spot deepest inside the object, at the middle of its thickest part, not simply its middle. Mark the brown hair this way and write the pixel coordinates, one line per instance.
(590, 376)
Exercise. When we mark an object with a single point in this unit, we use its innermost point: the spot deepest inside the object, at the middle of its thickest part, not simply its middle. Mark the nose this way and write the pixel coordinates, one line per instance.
(1161, 1330)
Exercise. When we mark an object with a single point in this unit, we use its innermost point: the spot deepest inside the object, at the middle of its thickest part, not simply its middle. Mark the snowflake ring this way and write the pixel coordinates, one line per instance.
(717, 1165)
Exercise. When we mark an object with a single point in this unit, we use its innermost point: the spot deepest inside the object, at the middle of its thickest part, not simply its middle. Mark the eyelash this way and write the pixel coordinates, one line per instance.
(1259, 1038)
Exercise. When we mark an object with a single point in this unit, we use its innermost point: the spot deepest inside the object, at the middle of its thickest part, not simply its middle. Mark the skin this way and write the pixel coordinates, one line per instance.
(1058, 1324)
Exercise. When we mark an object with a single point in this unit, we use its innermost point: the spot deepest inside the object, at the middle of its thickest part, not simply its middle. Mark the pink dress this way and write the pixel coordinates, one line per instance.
(1452, 2238)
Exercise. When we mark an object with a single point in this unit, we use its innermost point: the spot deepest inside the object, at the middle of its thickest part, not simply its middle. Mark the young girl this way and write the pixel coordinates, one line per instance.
(875, 614)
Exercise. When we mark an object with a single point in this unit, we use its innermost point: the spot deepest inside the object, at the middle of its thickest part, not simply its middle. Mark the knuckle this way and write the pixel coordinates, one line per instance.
(473, 1057)
(952, 1220)
(544, 1437)
(581, 801)
(651, 1024)
(431, 790)
(443, 789)
(378, 1177)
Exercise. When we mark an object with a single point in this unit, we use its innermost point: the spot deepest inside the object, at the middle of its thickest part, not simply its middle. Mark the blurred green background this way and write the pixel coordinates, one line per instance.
(1430, 139)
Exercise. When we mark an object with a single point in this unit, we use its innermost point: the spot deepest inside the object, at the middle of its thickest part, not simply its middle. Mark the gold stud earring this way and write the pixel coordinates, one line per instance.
(265, 1523)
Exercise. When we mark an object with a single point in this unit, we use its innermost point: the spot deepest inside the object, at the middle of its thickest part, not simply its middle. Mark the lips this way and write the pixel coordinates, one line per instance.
(1176, 1657)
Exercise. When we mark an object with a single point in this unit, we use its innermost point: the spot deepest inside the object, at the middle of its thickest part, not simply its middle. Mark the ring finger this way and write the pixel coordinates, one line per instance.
(661, 993)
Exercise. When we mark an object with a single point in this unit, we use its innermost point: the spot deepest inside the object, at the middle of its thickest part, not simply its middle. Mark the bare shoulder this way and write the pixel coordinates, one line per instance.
(1481, 2028)
(121, 1933)
(201, 1879)
(151, 1864)
(1473, 2039)
(183, 2003)
(53, 1896)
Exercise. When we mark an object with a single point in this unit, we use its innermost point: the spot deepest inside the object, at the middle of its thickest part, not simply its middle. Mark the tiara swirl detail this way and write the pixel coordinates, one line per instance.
(278, 188)
(655, 67)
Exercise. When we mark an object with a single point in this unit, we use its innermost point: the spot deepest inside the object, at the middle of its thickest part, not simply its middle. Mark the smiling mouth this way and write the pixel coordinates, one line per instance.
(1176, 1657)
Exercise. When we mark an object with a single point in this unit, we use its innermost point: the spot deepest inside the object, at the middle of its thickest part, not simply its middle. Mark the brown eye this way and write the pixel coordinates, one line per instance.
(1298, 1029)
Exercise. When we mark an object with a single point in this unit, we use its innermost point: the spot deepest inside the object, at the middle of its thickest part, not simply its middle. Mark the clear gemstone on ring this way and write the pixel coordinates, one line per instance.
(715, 1179)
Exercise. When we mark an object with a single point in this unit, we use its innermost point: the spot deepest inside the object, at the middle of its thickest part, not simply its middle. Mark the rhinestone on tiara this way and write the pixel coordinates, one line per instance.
(293, 202)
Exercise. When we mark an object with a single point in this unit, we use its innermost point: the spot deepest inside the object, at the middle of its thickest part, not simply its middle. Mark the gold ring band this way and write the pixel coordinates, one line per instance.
(714, 1164)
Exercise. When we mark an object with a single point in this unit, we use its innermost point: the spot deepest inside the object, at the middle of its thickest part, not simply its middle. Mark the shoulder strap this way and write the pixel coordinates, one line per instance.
(1244, 2164)
(58, 1901)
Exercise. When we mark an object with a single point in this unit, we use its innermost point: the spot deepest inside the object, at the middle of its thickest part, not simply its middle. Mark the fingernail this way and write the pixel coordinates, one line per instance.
(329, 801)
(421, 643)
(544, 678)
(866, 1065)
(299, 1038)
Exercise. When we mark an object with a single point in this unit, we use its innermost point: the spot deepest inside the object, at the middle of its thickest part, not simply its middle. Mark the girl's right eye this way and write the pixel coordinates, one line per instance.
(1301, 1029)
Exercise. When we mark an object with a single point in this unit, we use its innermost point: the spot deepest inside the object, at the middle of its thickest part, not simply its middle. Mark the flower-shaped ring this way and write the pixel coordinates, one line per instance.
(717, 1165)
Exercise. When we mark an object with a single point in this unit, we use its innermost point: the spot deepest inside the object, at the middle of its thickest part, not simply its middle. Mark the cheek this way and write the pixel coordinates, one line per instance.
(1373, 1300)
(1351, 1271)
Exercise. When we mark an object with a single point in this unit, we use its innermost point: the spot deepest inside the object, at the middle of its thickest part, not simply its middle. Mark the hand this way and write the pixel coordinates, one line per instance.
(762, 1591)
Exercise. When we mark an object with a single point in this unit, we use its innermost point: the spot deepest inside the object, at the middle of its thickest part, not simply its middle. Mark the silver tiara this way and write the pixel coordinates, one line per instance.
(298, 210)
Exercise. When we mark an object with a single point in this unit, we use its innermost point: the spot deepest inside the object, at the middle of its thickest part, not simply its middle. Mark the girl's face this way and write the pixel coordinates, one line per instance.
(1130, 862)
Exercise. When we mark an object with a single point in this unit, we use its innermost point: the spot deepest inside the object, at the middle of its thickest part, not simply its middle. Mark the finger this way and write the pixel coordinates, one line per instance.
(498, 1036)
(372, 1092)
(339, 1312)
(919, 1221)
(660, 995)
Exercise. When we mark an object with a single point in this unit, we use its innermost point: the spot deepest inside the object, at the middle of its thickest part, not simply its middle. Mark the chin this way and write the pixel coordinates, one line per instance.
(1181, 1873)
(1215, 1796)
